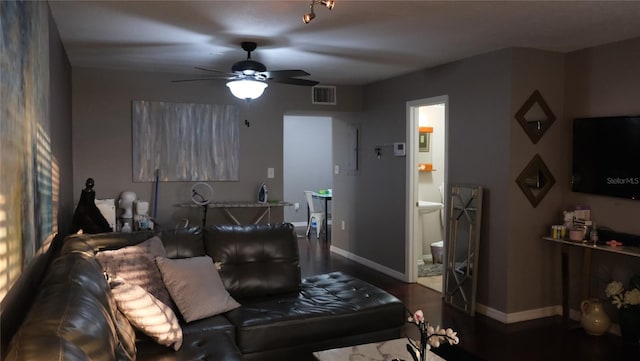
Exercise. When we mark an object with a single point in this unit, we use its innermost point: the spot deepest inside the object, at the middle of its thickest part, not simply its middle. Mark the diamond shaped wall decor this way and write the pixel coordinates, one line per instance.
(535, 116)
(535, 180)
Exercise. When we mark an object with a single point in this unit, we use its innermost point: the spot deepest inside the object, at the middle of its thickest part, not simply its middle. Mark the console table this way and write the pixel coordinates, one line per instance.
(587, 248)
(225, 207)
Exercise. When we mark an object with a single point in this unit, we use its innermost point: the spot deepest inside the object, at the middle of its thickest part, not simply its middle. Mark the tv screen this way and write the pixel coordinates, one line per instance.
(606, 156)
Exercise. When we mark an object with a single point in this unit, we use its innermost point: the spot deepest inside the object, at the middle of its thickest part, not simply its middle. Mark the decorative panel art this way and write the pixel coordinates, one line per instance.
(185, 142)
(27, 168)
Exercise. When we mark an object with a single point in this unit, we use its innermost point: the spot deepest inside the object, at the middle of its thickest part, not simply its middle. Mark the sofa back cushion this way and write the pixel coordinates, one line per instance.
(103, 241)
(183, 242)
(255, 260)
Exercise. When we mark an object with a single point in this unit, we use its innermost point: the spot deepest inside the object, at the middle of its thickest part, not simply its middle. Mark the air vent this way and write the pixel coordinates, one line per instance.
(323, 94)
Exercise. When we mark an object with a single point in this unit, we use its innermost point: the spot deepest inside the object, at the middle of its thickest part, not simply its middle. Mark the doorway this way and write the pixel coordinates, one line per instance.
(427, 129)
(307, 162)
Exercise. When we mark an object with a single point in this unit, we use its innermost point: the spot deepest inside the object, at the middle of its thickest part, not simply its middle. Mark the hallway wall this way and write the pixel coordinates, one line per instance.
(307, 163)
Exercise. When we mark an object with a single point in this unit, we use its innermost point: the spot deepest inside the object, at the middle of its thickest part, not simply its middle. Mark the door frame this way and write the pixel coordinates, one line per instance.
(411, 210)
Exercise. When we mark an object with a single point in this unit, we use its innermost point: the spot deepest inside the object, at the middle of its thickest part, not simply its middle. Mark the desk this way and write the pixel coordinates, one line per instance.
(326, 197)
(225, 207)
(587, 247)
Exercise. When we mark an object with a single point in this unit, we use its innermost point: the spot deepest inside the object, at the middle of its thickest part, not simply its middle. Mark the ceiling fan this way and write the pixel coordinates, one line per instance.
(248, 78)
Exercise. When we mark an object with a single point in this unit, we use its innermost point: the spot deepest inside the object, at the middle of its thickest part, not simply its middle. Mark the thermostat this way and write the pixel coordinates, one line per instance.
(399, 149)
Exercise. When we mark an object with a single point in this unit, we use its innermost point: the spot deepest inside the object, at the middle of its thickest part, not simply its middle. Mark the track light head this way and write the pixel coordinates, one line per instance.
(308, 17)
(328, 3)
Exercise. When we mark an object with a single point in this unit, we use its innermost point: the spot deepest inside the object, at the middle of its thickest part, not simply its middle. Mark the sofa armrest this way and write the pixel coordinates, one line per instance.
(256, 260)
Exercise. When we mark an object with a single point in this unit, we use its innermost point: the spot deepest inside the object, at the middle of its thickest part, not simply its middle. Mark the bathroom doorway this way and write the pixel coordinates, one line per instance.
(426, 187)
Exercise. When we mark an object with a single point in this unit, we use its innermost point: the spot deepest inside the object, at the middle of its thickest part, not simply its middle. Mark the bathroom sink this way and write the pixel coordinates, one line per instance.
(425, 207)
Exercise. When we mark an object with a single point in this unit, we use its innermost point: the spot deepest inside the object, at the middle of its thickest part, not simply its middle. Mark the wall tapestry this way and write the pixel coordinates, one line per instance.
(26, 204)
(185, 142)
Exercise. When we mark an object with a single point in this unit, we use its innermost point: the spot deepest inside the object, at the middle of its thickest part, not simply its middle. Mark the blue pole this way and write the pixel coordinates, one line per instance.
(155, 196)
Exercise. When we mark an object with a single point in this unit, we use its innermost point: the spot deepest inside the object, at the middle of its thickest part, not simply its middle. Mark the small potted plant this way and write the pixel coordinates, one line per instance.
(628, 303)
(429, 336)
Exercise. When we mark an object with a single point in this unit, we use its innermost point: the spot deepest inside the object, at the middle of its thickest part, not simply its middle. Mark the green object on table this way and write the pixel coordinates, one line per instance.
(323, 191)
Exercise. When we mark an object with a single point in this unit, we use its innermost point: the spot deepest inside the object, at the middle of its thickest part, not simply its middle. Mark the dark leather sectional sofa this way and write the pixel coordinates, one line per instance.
(282, 317)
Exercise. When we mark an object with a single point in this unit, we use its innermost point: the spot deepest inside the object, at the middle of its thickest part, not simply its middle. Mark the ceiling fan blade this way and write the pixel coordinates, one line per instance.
(213, 77)
(213, 70)
(280, 74)
(295, 81)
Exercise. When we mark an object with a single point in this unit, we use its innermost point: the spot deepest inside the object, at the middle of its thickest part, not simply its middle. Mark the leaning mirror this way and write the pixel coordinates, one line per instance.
(463, 238)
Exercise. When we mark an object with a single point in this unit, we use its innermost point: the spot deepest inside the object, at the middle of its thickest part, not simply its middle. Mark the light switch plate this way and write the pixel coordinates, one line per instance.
(270, 173)
(336, 169)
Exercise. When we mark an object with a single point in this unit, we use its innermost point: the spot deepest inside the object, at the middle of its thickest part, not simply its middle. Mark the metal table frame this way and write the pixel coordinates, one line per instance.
(225, 207)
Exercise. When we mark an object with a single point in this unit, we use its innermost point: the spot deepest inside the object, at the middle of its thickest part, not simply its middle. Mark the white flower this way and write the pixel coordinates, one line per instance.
(621, 298)
(632, 297)
(614, 288)
(617, 301)
(434, 336)
(452, 337)
(434, 341)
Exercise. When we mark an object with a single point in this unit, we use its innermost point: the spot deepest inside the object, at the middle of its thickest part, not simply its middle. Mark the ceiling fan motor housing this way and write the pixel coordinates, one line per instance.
(248, 67)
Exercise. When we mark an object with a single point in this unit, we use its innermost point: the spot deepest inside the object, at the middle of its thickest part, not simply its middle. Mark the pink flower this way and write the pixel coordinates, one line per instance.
(419, 316)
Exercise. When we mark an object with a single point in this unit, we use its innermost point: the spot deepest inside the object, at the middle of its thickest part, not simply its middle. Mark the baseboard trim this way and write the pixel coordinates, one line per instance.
(304, 223)
(373, 265)
(514, 317)
(497, 315)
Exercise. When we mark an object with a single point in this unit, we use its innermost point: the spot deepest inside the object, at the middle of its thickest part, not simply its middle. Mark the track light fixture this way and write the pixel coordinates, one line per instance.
(311, 14)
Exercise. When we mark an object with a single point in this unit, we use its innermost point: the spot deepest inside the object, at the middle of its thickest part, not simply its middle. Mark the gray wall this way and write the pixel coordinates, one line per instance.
(518, 271)
(307, 160)
(603, 81)
(102, 136)
(479, 91)
(60, 130)
(531, 267)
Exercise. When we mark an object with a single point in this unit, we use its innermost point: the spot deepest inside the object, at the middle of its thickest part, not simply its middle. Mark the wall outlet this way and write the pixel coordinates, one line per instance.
(336, 169)
(296, 207)
(342, 225)
(270, 173)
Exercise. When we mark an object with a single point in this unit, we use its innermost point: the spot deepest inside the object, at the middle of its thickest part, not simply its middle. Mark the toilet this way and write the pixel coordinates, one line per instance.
(437, 251)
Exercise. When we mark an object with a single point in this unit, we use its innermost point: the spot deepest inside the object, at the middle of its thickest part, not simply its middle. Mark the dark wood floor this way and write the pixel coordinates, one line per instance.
(484, 338)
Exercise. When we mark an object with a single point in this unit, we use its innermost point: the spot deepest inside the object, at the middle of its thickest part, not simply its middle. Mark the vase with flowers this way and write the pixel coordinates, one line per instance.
(628, 304)
(430, 337)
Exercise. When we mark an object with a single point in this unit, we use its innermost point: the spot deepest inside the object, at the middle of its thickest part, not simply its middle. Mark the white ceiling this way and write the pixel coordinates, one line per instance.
(356, 43)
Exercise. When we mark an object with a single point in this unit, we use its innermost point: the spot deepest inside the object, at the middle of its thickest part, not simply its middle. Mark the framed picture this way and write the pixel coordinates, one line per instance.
(424, 138)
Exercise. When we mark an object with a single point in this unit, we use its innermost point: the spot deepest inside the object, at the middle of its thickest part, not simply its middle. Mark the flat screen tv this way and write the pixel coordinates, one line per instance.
(606, 156)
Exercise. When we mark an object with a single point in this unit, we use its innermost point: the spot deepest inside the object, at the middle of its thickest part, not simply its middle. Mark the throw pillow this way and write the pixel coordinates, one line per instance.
(136, 265)
(147, 313)
(196, 287)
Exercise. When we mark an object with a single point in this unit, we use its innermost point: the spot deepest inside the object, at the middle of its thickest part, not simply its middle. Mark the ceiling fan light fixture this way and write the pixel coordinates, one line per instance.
(247, 89)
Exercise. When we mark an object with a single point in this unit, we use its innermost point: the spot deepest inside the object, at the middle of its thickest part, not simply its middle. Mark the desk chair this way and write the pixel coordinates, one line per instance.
(314, 213)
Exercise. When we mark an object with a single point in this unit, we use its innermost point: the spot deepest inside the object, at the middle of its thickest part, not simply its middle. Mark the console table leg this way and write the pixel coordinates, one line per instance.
(565, 284)
(586, 273)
